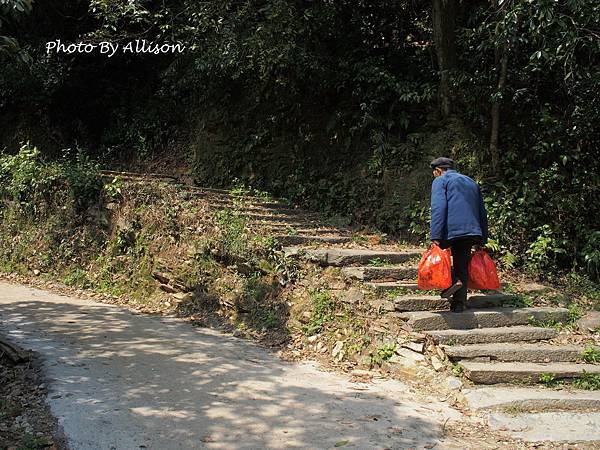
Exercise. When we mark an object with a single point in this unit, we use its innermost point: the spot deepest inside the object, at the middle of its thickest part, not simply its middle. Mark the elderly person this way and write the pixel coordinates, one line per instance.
(458, 221)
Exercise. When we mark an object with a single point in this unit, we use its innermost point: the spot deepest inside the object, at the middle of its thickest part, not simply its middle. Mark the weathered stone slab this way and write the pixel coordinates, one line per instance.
(486, 335)
(366, 273)
(487, 300)
(349, 256)
(482, 318)
(299, 239)
(549, 426)
(423, 303)
(510, 372)
(517, 352)
(532, 399)
(589, 322)
(393, 285)
(416, 302)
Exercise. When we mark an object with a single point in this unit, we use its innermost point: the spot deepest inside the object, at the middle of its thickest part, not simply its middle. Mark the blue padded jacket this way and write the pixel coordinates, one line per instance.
(457, 208)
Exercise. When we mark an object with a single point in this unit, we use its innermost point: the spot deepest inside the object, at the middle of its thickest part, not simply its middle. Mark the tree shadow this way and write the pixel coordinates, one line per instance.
(256, 310)
(120, 380)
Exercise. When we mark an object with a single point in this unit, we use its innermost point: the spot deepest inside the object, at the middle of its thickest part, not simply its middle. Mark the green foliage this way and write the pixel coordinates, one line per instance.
(418, 217)
(378, 262)
(545, 323)
(591, 355)
(33, 442)
(457, 369)
(587, 381)
(37, 185)
(323, 305)
(549, 379)
(11, 11)
(382, 353)
(521, 300)
(575, 312)
(114, 189)
(542, 206)
(78, 278)
(232, 227)
(333, 105)
(239, 190)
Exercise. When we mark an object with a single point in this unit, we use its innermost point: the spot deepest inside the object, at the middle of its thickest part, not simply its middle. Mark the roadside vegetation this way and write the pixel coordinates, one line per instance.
(337, 106)
(158, 248)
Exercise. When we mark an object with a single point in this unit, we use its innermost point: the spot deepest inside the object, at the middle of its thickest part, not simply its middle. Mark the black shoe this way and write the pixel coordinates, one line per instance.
(447, 293)
(457, 307)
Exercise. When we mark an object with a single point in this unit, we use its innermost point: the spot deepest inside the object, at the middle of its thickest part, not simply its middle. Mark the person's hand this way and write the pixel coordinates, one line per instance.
(434, 242)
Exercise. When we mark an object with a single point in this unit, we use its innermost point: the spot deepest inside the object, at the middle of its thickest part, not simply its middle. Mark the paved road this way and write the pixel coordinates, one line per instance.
(119, 380)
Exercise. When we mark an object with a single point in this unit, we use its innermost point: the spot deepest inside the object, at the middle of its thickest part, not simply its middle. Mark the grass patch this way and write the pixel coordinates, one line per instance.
(379, 262)
(359, 239)
(33, 442)
(79, 278)
(545, 323)
(587, 381)
(323, 305)
(590, 355)
(513, 410)
(401, 291)
(382, 353)
(548, 379)
(520, 300)
(575, 312)
(458, 370)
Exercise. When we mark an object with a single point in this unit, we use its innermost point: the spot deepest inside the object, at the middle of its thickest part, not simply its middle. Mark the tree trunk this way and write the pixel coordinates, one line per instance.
(494, 152)
(444, 16)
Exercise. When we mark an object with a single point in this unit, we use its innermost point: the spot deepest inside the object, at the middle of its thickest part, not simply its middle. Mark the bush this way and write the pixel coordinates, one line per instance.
(38, 186)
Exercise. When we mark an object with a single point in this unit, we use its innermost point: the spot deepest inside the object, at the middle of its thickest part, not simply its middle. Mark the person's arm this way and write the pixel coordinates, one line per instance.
(439, 207)
(483, 220)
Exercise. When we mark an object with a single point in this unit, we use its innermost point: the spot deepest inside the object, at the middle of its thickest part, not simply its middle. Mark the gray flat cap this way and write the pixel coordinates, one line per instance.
(442, 162)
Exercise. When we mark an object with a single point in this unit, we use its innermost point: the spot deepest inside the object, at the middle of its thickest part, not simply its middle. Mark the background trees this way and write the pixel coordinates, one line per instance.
(338, 105)
(10, 13)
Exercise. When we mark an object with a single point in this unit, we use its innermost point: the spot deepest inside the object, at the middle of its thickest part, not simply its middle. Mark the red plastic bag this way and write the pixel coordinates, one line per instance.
(435, 269)
(482, 272)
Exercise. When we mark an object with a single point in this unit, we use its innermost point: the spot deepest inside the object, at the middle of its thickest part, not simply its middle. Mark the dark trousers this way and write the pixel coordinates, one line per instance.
(461, 254)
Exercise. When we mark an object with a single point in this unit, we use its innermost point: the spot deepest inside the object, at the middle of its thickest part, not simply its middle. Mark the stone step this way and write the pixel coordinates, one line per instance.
(135, 176)
(300, 239)
(350, 256)
(225, 195)
(259, 208)
(222, 195)
(482, 318)
(367, 273)
(554, 426)
(415, 302)
(282, 219)
(304, 228)
(222, 203)
(520, 372)
(528, 399)
(523, 352)
(420, 303)
(394, 285)
(490, 335)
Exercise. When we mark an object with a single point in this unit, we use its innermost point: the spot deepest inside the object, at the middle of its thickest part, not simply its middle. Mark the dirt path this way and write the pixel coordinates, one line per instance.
(119, 380)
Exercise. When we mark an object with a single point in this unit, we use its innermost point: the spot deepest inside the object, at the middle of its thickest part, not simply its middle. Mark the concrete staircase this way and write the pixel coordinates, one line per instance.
(492, 344)
(492, 341)
(289, 225)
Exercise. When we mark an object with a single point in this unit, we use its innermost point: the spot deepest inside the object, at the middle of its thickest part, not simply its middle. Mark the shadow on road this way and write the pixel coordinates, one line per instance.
(121, 380)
